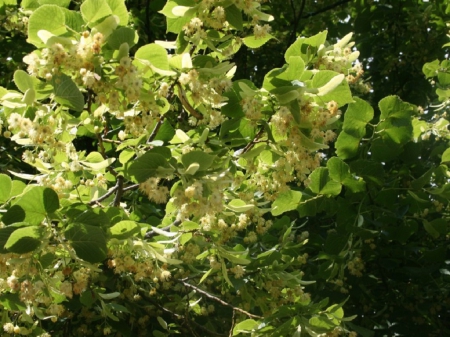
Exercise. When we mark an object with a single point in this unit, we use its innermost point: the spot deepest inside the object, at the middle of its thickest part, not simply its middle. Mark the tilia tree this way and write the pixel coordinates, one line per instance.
(149, 188)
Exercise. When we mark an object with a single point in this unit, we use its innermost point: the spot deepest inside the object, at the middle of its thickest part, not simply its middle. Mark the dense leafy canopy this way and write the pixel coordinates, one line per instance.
(224, 168)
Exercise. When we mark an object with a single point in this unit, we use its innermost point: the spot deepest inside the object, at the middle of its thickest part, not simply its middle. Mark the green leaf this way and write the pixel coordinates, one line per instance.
(185, 238)
(321, 322)
(430, 69)
(12, 302)
(119, 9)
(175, 25)
(67, 92)
(234, 17)
(39, 20)
(25, 4)
(304, 46)
(286, 201)
(446, 156)
(246, 326)
(225, 274)
(61, 3)
(126, 155)
(430, 229)
(356, 118)
(124, 229)
(347, 145)
(24, 240)
(146, 166)
(310, 145)
(88, 241)
(153, 55)
(33, 206)
(24, 81)
(322, 184)
(107, 26)
(189, 226)
(332, 87)
(394, 107)
(74, 20)
(122, 35)
(233, 108)
(17, 187)
(5, 233)
(6, 186)
(166, 132)
(205, 160)
(399, 130)
(94, 10)
(295, 69)
(339, 171)
(252, 42)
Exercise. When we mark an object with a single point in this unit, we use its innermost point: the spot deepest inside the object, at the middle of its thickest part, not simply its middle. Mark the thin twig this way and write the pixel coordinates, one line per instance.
(129, 188)
(255, 140)
(186, 104)
(214, 298)
(233, 321)
(106, 140)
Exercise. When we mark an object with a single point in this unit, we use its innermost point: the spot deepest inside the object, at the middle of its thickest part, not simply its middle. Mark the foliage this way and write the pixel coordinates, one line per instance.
(149, 191)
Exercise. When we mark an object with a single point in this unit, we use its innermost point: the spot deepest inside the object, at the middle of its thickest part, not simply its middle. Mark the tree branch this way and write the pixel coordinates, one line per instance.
(155, 130)
(214, 298)
(233, 322)
(326, 8)
(297, 18)
(129, 188)
(116, 202)
(255, 140)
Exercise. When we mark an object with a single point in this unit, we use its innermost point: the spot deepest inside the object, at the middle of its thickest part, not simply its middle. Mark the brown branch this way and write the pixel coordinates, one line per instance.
(233, 322)
(155, 130)
(129, 188)
(255, 140)
(186, 104)
(104, 196)
(116, 202)
(214, 298)
(100, 145)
